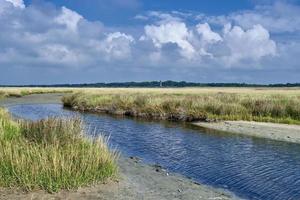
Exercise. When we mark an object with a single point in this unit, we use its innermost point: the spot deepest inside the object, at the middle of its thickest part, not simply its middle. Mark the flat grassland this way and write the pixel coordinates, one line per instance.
(279, 105)
(19, 92)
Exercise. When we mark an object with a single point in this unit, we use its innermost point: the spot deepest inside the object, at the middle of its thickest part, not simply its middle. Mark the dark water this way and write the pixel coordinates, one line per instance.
(251, 168)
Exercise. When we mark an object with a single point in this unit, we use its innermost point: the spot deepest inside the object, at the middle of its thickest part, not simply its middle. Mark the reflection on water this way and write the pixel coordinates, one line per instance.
(252, 168)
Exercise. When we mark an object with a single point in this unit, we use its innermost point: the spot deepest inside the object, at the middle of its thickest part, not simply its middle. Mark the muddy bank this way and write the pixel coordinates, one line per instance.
(280, 132)
(137, 181)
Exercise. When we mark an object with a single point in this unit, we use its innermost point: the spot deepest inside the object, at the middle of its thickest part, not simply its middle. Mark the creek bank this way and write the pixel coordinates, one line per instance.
(131, 113)
(136, 181)
(279, 132)
(273, 131)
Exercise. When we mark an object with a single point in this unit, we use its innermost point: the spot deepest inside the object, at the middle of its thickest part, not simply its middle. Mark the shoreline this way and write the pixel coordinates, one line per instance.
(137, 180)
(273, 131)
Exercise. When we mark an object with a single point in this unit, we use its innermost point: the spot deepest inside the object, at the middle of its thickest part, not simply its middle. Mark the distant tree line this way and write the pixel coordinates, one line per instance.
(151, 84)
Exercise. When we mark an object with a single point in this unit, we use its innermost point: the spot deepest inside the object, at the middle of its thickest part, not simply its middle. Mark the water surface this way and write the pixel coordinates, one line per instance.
(252, 168)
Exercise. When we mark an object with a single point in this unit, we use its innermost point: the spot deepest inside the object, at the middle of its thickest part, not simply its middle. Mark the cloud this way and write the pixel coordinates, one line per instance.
(163, 17)
(59, 54)
(57, 38)
(252, 44)
(68, 18)
(7, 6)
(171, 32)
(207, 35)
(17, 3)
(279, 17)
(232, 46)
(118, 45)
(141, 17)
(63, 38)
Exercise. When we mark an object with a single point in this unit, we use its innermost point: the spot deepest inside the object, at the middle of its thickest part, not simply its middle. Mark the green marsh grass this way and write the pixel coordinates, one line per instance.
(190, 105)
(51, 155)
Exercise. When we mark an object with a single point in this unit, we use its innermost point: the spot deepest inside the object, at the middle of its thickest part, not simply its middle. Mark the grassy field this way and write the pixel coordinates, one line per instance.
(51, 155)
(19, 92)
(280, 105)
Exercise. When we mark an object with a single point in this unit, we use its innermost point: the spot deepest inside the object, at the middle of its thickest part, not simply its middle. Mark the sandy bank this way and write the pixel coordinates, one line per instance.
(281, 132)
(137, 181)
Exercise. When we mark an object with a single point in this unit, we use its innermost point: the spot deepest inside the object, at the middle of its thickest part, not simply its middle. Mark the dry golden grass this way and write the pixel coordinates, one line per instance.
(202, 90)
(19, 92)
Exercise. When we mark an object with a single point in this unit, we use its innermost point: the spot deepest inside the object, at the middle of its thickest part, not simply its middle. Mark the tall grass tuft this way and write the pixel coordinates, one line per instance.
(51, 154)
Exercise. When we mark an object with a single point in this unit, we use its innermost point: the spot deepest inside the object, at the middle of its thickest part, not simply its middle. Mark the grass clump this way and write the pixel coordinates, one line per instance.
(51, 154)
(191, 105)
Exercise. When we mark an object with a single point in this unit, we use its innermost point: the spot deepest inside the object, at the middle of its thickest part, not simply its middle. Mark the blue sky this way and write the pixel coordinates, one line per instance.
(122, 12)
(64, 41)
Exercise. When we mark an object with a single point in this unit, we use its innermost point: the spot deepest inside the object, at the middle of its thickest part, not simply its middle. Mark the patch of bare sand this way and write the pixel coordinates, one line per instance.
(280, 132)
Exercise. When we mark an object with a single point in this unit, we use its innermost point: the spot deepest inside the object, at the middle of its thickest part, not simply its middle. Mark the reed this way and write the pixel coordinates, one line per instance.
(52, 155)
(191, 105)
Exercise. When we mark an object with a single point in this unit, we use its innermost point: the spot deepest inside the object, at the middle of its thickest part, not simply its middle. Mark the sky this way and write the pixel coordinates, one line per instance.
(64, 41)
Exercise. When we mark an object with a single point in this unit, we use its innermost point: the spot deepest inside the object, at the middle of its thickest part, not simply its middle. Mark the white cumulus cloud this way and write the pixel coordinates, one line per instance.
(171, 32)
(232, 46)
(68, 18)
(207, 35)
(252, 44)
(117, 45)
